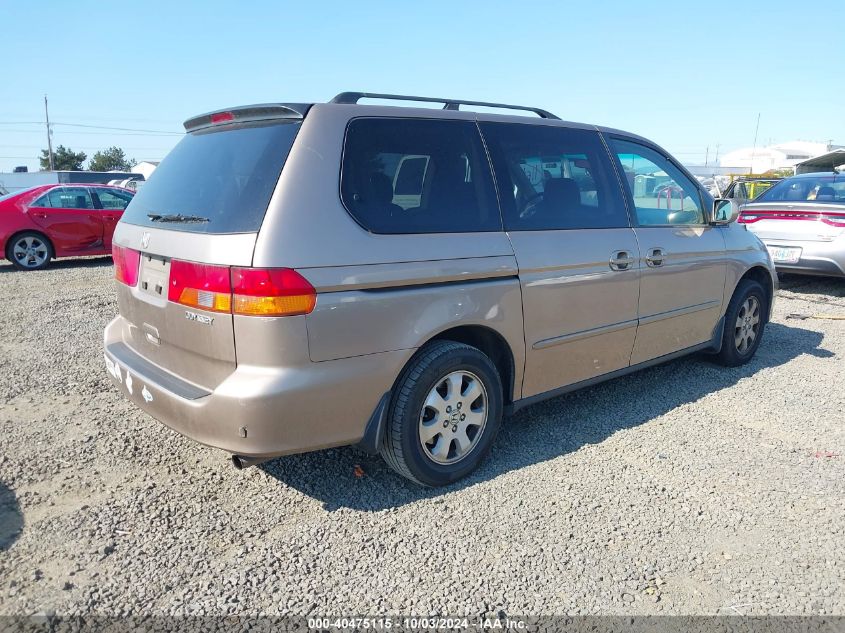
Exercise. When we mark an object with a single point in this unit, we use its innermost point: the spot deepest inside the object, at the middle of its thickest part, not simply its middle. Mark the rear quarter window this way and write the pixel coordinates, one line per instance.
(417, 176)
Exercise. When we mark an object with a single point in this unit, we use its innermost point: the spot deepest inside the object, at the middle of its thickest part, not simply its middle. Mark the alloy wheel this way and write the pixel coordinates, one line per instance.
(30, 252)
(747, 325)
(453, 417)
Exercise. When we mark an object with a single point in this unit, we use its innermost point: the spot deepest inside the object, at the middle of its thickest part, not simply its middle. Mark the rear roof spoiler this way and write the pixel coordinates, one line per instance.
(242, 114)
(448, 104)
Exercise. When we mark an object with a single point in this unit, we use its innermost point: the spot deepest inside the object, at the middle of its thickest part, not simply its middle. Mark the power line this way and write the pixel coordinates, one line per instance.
(89, 147)
(169, 134)
(94, 127)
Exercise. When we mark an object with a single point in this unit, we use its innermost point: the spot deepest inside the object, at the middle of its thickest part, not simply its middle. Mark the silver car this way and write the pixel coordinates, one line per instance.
(300, 276)
(801, 220)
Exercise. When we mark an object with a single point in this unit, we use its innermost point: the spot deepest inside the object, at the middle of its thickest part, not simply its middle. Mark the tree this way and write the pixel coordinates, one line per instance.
(110, 159)
(64, 159)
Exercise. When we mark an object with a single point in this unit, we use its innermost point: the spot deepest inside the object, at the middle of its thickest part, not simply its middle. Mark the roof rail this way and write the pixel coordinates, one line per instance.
(448, 104)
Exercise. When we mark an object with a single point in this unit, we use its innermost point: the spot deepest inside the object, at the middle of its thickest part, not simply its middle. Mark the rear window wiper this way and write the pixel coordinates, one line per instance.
(176, 217)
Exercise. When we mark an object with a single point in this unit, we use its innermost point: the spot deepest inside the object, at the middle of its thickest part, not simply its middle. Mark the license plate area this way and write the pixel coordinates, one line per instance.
(785, 254)
(154, 276)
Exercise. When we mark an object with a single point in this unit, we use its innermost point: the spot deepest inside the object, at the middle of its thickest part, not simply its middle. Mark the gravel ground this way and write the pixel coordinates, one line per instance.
(686, 488)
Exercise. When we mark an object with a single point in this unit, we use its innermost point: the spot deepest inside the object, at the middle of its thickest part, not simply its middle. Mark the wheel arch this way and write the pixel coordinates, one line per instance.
(486, 339)
(763, 276)
(494, 346)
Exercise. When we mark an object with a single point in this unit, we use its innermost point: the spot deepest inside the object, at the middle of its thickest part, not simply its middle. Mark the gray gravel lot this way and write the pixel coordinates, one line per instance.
(686, 488)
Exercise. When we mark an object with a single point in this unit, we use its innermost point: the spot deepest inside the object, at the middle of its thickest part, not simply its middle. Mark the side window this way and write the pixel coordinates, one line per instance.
(70, 198)
(662, 194)
(417, 176)
(553, 178)
(43, 201)
(113, 199)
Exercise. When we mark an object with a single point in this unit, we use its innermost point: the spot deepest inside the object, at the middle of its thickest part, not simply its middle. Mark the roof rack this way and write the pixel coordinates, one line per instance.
(448, 104)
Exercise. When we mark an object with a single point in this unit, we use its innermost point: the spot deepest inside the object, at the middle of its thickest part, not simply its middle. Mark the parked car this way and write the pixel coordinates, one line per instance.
(290, 300)
(128, 183)
(744, 189)
(40, 223)
(802, 222)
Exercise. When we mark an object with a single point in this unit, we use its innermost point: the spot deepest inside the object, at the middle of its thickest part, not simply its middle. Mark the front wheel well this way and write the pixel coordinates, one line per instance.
(762, 276)
(493, 345)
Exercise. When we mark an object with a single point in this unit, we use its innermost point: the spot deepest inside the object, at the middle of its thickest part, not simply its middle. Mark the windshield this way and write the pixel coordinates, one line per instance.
(215, 181)
(824, 188)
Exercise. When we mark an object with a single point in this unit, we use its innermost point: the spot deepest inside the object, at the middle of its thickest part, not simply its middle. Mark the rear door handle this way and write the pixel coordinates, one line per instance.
(655, 257)
(621, 260)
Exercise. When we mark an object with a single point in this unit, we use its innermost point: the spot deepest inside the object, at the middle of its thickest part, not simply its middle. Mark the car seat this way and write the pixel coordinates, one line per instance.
(826, 194)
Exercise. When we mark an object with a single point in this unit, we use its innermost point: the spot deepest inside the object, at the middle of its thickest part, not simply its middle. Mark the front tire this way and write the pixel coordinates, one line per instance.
(444, 415)
(745, 320)
(29, 251)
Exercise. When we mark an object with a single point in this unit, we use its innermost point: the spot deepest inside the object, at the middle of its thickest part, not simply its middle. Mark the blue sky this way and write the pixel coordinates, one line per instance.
(687, 75)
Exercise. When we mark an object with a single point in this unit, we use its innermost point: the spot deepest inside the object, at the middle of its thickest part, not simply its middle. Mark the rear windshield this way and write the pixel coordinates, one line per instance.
(822, 188)
(218, 180)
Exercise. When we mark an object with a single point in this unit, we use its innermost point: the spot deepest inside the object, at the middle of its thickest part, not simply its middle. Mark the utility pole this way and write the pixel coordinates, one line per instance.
(754, 148)
(706, 155)
(49, 134)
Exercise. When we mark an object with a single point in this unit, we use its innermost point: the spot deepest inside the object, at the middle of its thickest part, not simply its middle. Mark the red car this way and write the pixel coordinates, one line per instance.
(50, 221)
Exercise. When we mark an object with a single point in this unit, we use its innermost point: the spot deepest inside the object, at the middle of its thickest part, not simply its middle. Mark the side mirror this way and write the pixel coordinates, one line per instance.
(724, 211)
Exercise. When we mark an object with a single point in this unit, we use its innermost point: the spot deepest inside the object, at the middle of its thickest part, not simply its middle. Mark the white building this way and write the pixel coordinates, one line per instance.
(779, 156)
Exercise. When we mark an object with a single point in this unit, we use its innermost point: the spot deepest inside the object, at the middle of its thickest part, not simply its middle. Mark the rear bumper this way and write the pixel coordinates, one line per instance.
(817, 258)
(259, 411)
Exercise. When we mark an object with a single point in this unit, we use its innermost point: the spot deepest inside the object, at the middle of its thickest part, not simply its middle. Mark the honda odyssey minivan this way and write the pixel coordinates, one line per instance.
(300, 276)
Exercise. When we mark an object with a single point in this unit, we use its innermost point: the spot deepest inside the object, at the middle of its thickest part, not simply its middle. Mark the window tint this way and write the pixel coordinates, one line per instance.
(113, 199)
(417, 176)
(662, 194)
(69, 198)
(822, 188)
(226, 174)
(553, 178)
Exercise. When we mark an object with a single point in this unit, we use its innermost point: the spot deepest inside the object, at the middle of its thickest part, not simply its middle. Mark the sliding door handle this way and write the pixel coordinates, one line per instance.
(655, 257)
(621, 260)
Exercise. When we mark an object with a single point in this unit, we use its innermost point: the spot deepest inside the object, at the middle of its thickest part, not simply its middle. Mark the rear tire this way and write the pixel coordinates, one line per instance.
(444, 415)
(29, 250)
(745, 320)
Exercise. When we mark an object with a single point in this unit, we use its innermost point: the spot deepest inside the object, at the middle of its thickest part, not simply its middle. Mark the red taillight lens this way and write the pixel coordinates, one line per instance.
(747, 218)
(126, 263)
(271, 292)
(200, 286)
(222, 117)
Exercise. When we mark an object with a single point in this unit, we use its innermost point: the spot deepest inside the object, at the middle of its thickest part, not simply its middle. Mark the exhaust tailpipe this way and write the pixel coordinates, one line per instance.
(245, 461)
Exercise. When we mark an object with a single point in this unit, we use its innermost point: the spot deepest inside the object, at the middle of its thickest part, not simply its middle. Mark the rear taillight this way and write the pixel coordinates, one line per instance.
(834, 219)
(200, 286)
(271, 292)
(126, 263)
(747, 218)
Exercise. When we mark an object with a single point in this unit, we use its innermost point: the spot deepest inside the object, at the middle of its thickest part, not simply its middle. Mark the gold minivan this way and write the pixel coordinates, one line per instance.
(300, 276)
